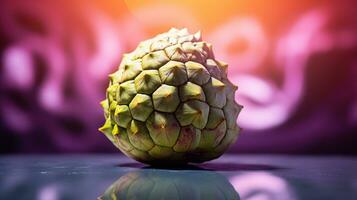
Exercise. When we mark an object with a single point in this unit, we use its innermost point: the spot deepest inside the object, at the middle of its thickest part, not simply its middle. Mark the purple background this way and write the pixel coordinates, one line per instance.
(295, 64)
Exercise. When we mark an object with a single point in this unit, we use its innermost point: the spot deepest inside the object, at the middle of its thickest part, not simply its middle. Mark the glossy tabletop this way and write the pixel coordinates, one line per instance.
(258, 177)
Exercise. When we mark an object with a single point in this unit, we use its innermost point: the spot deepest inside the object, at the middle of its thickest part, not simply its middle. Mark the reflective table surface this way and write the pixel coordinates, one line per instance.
(258, 177)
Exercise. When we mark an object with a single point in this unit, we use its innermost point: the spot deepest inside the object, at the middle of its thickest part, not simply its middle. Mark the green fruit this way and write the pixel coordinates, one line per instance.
(171, 184)
(170, 102)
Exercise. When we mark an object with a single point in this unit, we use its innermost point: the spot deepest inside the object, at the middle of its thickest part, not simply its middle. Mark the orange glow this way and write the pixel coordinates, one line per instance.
(211, 13)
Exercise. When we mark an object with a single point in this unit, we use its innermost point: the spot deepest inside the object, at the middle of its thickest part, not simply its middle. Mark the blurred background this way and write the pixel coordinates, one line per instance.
(295, 64)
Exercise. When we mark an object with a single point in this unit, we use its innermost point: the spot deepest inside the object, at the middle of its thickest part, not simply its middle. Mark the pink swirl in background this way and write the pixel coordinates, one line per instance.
(54, 68)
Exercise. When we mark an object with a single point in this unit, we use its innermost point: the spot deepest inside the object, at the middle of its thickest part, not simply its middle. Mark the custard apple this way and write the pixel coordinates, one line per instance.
(170, 102)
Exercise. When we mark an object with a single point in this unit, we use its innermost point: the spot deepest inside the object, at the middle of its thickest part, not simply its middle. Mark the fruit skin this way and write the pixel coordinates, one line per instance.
(170, 102)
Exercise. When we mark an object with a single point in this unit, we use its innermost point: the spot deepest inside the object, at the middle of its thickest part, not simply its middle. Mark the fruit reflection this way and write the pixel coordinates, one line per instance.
(171, 184)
